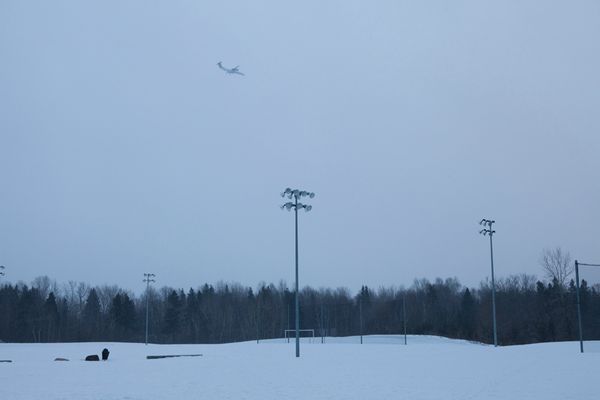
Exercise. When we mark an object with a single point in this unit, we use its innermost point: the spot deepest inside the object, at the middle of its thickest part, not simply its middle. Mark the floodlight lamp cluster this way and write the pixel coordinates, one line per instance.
(289, 206)
(488, 223)
(1, 267)
(295, 193)
(148, 277)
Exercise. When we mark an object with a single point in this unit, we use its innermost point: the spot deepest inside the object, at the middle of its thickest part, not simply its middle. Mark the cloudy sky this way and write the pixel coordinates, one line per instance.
(124, 149)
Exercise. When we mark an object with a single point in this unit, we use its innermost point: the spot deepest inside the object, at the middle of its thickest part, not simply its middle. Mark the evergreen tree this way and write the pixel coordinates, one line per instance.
(91, 317)
(172, 320)
(467, 315)
(122, 313)
(51, 314)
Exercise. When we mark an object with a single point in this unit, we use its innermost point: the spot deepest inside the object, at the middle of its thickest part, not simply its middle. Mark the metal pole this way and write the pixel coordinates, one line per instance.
(322, 327)
(578, 307)
(288, 323)
(147, 307)
(297, 300)
(296, 194)
(361, 320)
(493, 287)
(328, 329)
(148, 279)
(404, 316)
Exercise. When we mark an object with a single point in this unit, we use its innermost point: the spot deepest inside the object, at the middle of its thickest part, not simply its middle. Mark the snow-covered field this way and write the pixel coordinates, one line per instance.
(381, 368)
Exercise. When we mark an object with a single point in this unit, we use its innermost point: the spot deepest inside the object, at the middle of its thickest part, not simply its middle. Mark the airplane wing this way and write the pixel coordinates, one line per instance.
(238, 72)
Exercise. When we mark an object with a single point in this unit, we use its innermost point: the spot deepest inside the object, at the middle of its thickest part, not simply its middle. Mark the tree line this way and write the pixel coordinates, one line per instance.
(528, 311)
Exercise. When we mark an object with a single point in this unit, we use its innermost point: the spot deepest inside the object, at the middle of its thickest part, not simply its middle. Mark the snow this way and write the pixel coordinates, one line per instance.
(382, 368)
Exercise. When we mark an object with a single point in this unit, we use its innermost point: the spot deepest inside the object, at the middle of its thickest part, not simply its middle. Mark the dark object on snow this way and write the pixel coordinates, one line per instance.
(174, 355)
(105, 354)
(5, 360)
(93, 357)
(61, 359)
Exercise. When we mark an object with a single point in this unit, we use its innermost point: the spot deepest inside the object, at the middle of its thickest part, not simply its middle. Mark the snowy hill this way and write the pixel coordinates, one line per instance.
(428, 368)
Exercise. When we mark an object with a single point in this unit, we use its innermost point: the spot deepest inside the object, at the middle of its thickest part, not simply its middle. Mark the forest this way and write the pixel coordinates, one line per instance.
(528, 311)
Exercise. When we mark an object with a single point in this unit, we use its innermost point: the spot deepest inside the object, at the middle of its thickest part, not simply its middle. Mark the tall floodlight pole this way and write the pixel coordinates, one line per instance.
(296, 194)
(488, 230)
(577, 264)
(148, 278)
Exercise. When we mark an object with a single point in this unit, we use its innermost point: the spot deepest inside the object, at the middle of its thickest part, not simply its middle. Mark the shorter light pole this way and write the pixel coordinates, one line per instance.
(148, 278)
(488, 230)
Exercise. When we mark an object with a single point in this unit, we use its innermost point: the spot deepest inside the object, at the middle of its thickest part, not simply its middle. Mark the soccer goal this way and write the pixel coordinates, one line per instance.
(588, 305)
(291, 333)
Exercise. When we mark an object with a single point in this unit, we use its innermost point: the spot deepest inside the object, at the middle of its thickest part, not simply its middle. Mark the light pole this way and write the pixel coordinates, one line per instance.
(296, 194)
(488, 230)
(148, 278)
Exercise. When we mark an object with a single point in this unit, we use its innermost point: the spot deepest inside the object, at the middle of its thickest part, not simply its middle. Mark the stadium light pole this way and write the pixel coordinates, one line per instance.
(296, 194)
(148, 278)
(2, 267)
(488, 230)
(577, 264)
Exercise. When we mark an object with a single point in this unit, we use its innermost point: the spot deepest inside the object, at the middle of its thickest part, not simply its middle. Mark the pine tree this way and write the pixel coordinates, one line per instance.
(467, 315)
(51, 314)
(122, 313)
(172, 320)
(92, 317)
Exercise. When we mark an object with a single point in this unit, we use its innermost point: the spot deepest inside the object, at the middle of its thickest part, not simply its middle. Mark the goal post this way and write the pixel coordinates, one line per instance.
(288, 333)
(577, 285)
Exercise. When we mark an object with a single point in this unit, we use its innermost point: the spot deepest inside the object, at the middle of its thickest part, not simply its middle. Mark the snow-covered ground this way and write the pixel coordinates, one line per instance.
(382, 368)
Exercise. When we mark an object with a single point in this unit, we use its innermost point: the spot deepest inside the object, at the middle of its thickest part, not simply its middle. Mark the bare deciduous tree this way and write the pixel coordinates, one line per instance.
(105, 294)
(44, 285)
(556, 264)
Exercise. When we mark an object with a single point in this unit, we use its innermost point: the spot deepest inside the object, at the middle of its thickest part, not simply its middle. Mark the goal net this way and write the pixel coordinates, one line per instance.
(307, 334)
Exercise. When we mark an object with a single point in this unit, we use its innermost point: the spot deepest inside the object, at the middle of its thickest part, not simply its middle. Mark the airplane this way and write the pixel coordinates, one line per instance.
(234, 70)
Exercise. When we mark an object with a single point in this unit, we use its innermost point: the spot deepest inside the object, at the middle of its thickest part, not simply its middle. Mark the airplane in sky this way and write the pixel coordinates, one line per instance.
(234, 70)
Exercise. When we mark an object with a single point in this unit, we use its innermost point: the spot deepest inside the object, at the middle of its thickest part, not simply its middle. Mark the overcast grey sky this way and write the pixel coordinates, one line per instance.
(124, 149)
